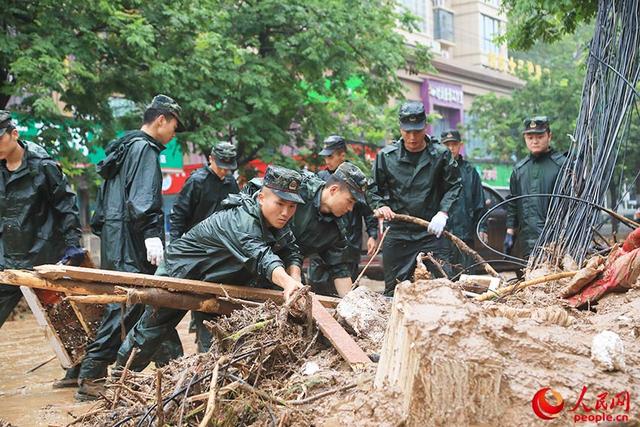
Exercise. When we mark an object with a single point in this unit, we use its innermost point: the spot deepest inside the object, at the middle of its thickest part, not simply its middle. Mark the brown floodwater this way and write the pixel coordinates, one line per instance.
(27, 399)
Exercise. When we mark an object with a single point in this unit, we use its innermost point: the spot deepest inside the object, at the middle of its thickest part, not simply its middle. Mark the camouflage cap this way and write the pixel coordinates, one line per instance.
(412, 116)
(285, 183)
(450, 136)
(538, 124)
(351, 175)
(333, 143)
(224, 153)
(164, 102)
(5, 121)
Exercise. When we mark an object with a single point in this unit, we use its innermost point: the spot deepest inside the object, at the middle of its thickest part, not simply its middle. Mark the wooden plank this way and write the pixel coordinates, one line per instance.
(180, 300)
(55, 272)
(40, 313)
(339, 338)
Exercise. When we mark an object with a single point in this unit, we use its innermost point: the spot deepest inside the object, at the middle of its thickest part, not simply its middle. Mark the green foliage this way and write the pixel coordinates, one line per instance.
(242, 70)
(531, 21)
(556, 94)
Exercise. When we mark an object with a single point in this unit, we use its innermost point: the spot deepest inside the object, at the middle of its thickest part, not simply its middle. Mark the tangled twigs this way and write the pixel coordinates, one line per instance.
(518, 286)
(357, 281)
(123, 377)
(213, 392)
(462, 246)
(246, 373)
(291, 306)
(321, 395)
(429, 257)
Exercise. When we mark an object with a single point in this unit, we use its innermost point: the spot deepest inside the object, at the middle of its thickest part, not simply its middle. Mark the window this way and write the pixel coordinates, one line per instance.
(443, 25)
(417, 8)
(490, 29)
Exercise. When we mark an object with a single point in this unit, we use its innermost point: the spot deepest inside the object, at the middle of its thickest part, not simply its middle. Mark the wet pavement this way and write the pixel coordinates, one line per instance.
(27, 399)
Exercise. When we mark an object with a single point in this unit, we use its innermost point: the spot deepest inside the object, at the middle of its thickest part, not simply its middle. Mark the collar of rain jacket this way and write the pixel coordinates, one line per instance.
(31, 151)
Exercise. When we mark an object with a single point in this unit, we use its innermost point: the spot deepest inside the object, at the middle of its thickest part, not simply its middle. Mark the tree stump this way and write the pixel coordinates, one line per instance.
(445, 375)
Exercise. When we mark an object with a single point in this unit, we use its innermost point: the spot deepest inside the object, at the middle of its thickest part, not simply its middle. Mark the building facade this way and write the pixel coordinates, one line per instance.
(468, 61)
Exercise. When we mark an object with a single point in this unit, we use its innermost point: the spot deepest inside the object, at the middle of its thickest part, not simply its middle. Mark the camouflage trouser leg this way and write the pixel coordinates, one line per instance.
(319, 276)
(319, 279)
(155, 326)
(103, 351)
(9, 297)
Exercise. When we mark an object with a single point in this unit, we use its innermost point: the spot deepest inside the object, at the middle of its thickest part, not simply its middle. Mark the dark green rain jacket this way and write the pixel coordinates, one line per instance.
(532, 175)
(129, 204)
(38, 211)
(469, 208)
(201, 196)
(234, 245)
(419, 190)
(353, 222)
(316, 233)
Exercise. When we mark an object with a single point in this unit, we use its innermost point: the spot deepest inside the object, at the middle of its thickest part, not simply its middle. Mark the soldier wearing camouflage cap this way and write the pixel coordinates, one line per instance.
(249, 242)
(130, 222)
(334, 153)
(319, 225)
(417, 177)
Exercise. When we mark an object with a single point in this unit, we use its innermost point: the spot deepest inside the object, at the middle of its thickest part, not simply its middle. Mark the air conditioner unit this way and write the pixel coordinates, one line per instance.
(438, 3)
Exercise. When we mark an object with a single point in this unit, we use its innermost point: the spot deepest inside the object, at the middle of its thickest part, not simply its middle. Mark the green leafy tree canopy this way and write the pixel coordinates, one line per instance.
(241, 69)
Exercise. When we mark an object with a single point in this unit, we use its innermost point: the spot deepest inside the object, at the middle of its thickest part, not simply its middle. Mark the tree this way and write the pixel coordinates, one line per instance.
(547, 21)
(556, 94)
(241, 69)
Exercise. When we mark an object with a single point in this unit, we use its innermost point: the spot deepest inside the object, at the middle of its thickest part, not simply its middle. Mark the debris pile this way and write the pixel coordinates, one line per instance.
(263, 368)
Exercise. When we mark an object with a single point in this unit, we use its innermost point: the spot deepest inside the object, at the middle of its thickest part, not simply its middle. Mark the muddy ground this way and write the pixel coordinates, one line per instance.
(27, 399)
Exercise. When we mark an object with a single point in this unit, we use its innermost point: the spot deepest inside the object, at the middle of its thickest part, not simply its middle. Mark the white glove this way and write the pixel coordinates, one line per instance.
(437, 223)
(155, 251)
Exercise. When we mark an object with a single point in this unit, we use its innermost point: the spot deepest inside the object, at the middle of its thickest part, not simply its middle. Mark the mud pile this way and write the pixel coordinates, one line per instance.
(455, 361)
(445, 360)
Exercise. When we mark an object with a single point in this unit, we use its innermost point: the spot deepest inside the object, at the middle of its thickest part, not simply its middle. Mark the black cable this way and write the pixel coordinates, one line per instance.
(513, 199)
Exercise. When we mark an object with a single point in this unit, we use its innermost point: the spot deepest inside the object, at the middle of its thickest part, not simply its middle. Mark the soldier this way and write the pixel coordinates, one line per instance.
(535, 174)
(318, 226)
(334, 153)
(39, 222)
(469, 208)
(129, 220)
(248, 242)
(417, 177)
(204, 191)
(201, 196)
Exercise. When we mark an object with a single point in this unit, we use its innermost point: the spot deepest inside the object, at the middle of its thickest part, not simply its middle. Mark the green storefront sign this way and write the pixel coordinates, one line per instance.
(170, 158)
(495, 175)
